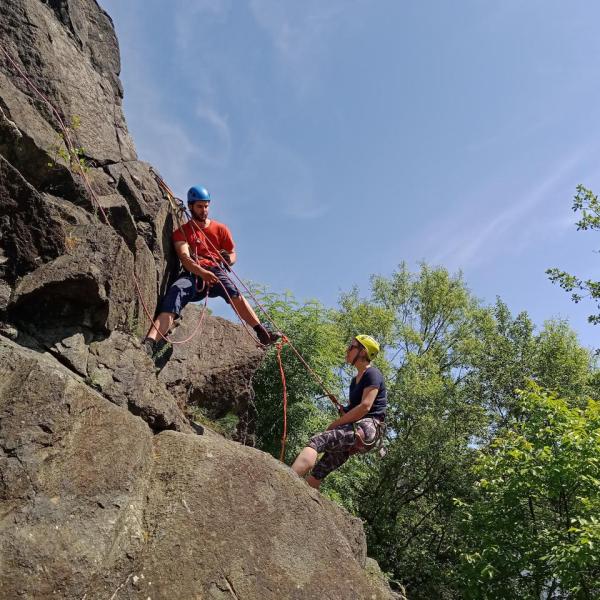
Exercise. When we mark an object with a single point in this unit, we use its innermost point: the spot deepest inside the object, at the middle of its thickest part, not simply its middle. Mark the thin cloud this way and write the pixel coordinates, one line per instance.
(472, 243)
(167, 145)
(180, 144)
(192, 17)
(295, 28)
(161, 138)
(214, 142)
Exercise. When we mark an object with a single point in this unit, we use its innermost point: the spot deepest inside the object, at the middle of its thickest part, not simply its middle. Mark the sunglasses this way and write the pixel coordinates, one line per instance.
(353, 346)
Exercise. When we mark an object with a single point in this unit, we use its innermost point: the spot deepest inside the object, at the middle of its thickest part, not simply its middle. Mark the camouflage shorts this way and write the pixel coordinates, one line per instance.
(338, 443)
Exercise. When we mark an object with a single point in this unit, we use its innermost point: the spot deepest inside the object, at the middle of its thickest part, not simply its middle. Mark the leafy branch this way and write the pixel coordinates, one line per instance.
(586, 203)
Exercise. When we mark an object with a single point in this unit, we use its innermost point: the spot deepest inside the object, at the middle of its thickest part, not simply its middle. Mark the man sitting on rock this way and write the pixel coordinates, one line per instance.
(203, 246)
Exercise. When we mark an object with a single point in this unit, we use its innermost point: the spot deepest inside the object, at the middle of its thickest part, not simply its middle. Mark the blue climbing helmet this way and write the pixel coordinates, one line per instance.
(198, 193)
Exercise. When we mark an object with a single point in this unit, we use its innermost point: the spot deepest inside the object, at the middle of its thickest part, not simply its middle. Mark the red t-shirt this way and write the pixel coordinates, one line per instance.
(218, 235)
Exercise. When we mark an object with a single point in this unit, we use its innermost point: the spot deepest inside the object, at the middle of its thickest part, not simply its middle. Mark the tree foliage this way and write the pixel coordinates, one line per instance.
(318, 339)
(452, 368)
(586, 203)
(407, 505)
(533, 528)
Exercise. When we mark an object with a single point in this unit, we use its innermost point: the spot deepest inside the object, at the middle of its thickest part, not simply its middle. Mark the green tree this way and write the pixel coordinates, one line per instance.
(407, 501)
(561, 364)
(452, 367)
(503, 359)
(508, 353)
(588, 205)
(315, 334)
(533, 530)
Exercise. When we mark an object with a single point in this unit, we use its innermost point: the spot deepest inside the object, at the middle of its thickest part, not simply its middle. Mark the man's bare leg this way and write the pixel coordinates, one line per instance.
(246, 312)
(305, 461)
(162, 324)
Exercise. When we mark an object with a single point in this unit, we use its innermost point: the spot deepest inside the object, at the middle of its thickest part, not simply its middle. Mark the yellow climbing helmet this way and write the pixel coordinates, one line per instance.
(369, 344)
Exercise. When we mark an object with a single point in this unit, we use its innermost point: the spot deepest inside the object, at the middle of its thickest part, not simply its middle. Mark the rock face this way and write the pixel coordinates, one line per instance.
(96, 505)
(215, 376)
(106, 490)
(54, 248)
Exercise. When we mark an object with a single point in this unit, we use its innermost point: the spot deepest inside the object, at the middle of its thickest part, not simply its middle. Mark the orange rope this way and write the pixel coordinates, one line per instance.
(162, 184)
(165, 187)
(313, 373)
(164, 337)
(283, 382)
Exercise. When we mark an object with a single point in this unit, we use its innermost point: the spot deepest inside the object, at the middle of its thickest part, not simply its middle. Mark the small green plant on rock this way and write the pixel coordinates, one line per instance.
(225, 426)
(71, 241)
(134, 325)
(73, 157)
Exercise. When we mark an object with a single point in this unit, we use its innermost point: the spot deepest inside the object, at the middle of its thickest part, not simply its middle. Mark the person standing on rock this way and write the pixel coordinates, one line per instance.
(361, 424)
(203, 246)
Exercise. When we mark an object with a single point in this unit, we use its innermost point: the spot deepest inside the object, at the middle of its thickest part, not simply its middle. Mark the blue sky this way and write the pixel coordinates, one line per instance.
(340, 137)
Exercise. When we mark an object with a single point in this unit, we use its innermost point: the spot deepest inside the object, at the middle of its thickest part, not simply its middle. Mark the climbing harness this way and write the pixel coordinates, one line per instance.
(361, 446)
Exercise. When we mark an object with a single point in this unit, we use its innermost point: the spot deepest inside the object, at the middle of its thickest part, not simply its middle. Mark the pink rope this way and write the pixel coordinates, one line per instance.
(283, 383)
(71, 148)
(313, 373)
(164, 337)
(64, 129)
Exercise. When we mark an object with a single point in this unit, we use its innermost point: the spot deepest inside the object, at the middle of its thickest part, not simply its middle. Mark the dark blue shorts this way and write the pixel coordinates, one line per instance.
(190, 288)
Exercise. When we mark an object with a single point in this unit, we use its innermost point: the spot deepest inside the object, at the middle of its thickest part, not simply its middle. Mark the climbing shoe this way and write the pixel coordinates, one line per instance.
(266, 337)
(149, 346)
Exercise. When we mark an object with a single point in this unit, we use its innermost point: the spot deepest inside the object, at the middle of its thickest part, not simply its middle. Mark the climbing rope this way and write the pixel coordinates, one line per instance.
(269, 319)
(177, 209)
(279, 346)
(72, 152)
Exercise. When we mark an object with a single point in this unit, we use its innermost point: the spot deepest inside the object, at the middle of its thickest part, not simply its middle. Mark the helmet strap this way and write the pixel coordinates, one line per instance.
(358, 354)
